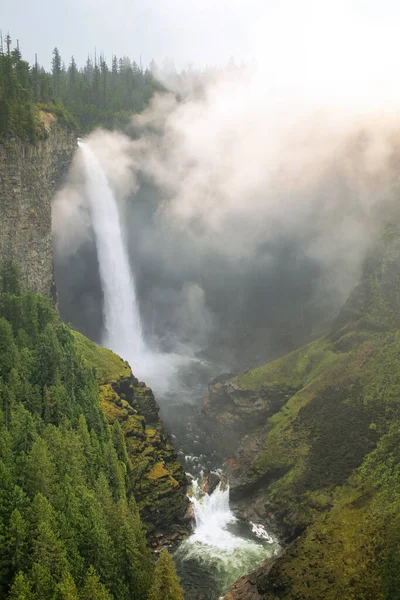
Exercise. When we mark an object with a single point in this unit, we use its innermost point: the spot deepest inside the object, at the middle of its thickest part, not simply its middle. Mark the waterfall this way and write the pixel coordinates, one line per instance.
(122, 323)
(212, 515)
(123, 328)
(221, 546)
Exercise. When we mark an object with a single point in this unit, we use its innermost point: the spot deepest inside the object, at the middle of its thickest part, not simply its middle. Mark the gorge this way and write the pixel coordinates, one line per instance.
(290, 483)
(227, 387)
(212, 549)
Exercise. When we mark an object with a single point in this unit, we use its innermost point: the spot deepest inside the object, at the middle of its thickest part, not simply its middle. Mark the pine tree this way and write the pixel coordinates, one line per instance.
(72, 71)
(165, 582)
(21, 589)
(119, 442)
(66, 589)
(93, 589)
(17, 540)
(8, 349)
(40, 469)
(56, 69)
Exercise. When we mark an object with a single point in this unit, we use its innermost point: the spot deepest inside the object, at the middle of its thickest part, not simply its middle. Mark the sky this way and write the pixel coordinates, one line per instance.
(285, 33)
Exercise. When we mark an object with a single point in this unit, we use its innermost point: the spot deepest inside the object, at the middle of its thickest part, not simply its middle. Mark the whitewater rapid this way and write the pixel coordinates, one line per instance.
(225, 548)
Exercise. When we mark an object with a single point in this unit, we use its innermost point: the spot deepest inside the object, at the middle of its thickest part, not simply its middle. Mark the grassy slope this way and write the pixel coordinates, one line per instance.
(108, 366)
(337, 438)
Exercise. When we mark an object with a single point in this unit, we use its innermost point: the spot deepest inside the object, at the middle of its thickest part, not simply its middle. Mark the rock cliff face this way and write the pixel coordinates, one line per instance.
(320, 463)
(28, 176)
(155, 476)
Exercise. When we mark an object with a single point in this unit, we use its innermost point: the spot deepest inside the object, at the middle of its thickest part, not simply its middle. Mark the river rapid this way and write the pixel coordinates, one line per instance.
(221, 548)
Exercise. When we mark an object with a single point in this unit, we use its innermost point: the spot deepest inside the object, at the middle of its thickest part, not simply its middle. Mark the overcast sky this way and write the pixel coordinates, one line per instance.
(205, 31)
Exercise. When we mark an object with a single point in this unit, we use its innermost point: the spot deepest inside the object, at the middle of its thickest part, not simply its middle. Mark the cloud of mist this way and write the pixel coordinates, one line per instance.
(249, 202)
(238, 170)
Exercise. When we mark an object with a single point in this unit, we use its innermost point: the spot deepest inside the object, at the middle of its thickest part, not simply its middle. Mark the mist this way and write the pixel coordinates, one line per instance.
(249, 198)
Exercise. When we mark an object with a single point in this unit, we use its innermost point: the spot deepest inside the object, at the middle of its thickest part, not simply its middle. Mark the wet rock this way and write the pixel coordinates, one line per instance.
(230, 412)
(251, 587)
(210, 482)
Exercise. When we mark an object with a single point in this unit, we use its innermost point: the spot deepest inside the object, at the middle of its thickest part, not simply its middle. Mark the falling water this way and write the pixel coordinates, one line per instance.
(123, 328)
(222, 547)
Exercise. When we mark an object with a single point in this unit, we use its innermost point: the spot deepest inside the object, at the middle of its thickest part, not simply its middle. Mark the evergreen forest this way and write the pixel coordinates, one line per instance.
(97, 94)
(69, 525)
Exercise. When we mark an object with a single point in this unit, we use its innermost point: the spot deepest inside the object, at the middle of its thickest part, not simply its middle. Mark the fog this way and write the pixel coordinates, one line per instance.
(247, 222)
(249, 195)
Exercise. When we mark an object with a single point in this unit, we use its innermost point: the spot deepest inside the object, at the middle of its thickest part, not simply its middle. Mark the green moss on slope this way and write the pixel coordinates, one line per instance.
(107, 365)
(335, 445)
(155, 476)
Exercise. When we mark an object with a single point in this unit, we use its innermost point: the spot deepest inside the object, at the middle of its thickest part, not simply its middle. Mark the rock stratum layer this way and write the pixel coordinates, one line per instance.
(28, 177)
(317, 449)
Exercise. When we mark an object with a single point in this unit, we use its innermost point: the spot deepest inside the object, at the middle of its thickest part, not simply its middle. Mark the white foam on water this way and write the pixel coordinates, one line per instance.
(214, 545)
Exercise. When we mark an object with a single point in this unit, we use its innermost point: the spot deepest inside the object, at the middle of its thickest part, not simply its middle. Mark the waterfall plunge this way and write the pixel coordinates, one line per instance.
(218, 544)
(123, 327)
(121, 313)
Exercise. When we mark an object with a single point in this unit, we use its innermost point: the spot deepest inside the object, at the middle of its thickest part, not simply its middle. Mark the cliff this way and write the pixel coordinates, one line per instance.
(28, 176)
(316, 454)
(155, 476)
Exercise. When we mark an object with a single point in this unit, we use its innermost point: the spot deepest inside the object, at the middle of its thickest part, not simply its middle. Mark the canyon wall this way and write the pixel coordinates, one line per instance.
(29, 174)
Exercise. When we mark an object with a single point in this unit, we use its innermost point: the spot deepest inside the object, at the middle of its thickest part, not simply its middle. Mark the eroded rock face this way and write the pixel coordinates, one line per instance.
(251, 587)
(230, 412)
(28, 176)
(157, 478)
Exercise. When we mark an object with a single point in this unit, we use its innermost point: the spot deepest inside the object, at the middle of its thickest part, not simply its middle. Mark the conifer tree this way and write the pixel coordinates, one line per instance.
(66, 589)
(93, 589)
(21, 589)
(56, 69)
(165, 581)
(17, 540)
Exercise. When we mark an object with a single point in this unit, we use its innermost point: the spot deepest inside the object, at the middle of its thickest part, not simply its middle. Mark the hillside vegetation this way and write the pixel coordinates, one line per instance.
(81, 98)
(329, 463)
(70, 472)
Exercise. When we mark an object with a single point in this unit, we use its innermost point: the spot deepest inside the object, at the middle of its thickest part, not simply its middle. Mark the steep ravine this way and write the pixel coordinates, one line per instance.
(309, 442)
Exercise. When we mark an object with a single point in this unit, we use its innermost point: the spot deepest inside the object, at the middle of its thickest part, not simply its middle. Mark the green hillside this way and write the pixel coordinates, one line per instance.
(331, 454)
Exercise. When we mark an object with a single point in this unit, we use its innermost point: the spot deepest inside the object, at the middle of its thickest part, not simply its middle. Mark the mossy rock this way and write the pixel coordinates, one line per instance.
(156, 477)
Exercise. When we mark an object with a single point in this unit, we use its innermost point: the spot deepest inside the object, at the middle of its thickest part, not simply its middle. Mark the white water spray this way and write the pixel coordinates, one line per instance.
(217, 542)
(121, 313)
(123, 327)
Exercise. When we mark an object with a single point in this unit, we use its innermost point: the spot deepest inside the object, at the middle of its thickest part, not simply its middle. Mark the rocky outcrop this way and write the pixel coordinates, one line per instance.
(231, 411)
(252, 586)
(156, 477)
(28, 176)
